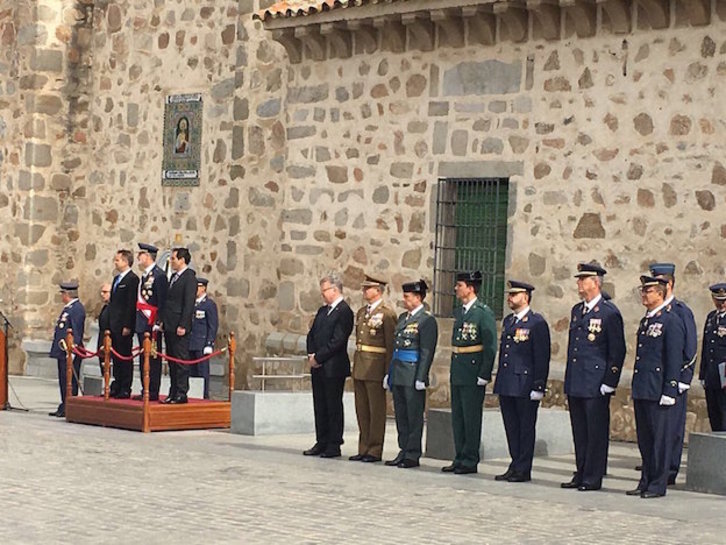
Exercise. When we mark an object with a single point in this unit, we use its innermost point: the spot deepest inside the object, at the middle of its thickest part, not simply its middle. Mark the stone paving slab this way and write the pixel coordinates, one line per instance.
(66, 483)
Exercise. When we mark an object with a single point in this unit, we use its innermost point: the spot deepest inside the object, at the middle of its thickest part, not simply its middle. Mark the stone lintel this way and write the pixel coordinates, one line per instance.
(618, 13)
(514, 16)
(658, 12)
(583, 14)
(338, 38)
(482, 24)
(480, 169)
(548, 15)
(313, 41)
(421, 30)
(450, 27)
(366, 36)
(699, 11)
(293, 46)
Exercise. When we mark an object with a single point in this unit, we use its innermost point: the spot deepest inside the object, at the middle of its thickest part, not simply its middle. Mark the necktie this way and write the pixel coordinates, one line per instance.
(584, 309)
(330, 309)
(173, 279)
(116, 282)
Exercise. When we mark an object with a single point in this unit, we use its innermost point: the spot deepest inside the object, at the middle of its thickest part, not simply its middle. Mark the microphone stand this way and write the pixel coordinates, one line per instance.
(6, 325)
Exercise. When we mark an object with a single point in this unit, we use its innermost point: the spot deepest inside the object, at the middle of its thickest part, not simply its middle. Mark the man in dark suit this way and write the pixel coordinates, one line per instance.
(524, 363)
(104, 323)
(327, 346)
(415, 341)
(176, 320)
(658, 361)
(73, 316)
(149, 301)
(595, 355)
(713, 352)
(122, 318)
(204, 332)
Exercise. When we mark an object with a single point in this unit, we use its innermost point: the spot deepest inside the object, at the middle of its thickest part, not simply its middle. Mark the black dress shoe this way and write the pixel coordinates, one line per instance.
(517, 477)
(406, 463)
(648, 495)
(315, 450)
(393, 462)
(464, 470)
(450, 468)
(178, 400)
(504, 476)
(584, 487)
(330, 454)
(572, 484)
(369, 458)
(61, 414)
(57, 412)
(123, 395)
(167, 399)
(671, 481)
(138, 398)
(356, 458)
(634, 492)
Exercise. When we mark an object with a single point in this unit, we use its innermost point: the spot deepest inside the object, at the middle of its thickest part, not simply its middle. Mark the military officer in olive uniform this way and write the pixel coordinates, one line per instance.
(595, 354)
(73, 316)
(524, 363)
(408, 376)
(658, 362)
(474, 345)
(374, 328)
(690, 347)
(151, 296)
(713, 352)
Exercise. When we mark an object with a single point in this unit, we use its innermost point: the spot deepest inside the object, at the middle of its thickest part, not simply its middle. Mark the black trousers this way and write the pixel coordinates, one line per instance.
(716, 406)
(177, 347)
(62, 379)
(200, 369)
(123, 370)
(328, 408)
(154, 366)
(409, 404)
(520, 422)
(466, 413)
(590, 420)
(677, 432)
(652, 426)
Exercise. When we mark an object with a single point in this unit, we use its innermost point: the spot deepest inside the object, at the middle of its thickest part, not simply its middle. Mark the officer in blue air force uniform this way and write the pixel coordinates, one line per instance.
(415, 340)
(73, 316)
(204, 332)
(658, 362)
(713, 352)
(524, 363)
(667, 271)
(595, 354)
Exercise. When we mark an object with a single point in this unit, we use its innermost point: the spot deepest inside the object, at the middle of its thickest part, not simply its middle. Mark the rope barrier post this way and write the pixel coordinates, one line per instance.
(232, 347)
(145, 380)
(69, 363)
(106, 363)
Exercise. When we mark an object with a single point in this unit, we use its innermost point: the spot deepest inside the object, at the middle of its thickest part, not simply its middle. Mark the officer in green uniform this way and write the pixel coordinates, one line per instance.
(408, 376)
(474, 345)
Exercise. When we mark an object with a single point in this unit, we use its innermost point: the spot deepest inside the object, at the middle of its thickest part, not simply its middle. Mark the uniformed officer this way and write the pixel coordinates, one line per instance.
(713, 352)
(374, 329)
(690, 347)
(595, 354)
(473, 347)
(73, 316)
(408, 376)
(524, 363)
(658, 362)
(150, 299)
(204, 332)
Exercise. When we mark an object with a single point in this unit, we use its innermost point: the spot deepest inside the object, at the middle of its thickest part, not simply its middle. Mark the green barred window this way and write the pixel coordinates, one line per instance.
(471, 234)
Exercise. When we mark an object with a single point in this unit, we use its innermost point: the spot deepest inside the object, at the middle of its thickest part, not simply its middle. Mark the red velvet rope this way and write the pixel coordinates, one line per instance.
(83, 353)
(191, 362)
(135, 351)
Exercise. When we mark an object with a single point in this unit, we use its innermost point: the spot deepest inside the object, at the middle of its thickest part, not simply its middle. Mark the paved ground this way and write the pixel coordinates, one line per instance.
(66, 483)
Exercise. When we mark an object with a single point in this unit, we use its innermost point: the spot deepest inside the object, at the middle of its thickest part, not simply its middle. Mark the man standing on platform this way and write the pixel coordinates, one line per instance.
(713, 353)
(595, 354)
(690, 347)
(474, 345)
(204, 332)
(524, 363)
(122, 317)
(176, 320)
(73, 316)
(658, 362)
(416, 336)
(104, 323)
(375, 325)
(149, 302)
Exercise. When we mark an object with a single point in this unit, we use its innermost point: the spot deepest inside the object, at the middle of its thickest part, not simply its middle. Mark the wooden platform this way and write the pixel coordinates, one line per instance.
(128, 414)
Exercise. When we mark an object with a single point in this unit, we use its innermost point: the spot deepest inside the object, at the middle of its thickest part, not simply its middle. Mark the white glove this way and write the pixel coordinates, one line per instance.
(207, 350)
(667, 401)
(682, 387)
(156, 327)
(703, 383)
(481, 381)
(420, 385)
(534, 395)
(605, 389)
(385, 382)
